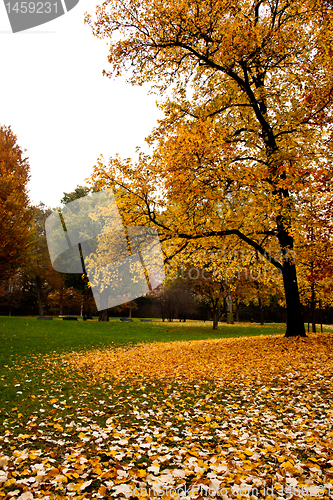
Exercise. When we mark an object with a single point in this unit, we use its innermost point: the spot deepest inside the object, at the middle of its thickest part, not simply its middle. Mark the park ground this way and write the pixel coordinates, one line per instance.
(169, 410)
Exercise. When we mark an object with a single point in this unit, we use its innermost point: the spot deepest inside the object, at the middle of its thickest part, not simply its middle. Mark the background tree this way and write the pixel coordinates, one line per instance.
(79, 282)
(39, 260)
(245, 128)
(212, 293)
(15, 213)
(127, 307)
(176, 300)
(78, 192)
(315, 245)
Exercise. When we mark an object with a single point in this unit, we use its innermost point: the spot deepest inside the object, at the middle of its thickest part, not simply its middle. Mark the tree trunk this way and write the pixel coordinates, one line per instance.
(215, 318)
(295, 322)
(103, 315)
(228, 302)
(39, 296)
(171, 313)
(87, 305)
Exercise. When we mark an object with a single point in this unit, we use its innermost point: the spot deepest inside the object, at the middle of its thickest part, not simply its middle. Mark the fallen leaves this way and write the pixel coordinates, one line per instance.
(209, 419)
(213, 359)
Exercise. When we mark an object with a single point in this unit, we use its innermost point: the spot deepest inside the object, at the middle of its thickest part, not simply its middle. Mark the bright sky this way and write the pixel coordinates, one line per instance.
(63, 111)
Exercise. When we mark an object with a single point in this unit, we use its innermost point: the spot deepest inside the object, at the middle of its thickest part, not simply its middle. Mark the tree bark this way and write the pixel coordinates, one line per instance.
(103, 315)
(228, 303)
(215, 318)
(295, 322)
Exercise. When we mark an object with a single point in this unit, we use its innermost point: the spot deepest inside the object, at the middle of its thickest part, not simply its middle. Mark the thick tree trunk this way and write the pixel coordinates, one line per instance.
(216, 312)
(215, 319)
(229, 314)
(295, 322)
(103, 315)
(87, 305)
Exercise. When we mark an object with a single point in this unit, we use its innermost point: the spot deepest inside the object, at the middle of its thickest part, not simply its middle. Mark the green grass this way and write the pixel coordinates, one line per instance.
(20, 336)
(26, 341)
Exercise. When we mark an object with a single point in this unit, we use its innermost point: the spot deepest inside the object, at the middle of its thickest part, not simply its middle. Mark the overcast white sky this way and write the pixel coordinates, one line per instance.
(63, 111)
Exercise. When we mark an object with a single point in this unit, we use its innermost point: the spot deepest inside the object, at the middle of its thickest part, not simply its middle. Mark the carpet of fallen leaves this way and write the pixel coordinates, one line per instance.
(222, 418)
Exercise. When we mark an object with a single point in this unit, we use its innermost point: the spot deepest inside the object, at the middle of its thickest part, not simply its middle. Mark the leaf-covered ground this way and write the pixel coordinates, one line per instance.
(219, 418)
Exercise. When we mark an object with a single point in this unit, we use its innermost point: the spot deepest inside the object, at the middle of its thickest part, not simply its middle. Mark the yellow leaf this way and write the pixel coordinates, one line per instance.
(9, 482)
(142, 473)
(102, 490)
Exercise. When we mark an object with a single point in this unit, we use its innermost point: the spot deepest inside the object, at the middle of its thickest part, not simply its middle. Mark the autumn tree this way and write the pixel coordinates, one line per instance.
(78, 192)
(15, 213)
(80, 282)
(176, 299)
(211, 293)
(247, 119)
(315, 245)
(225, 277)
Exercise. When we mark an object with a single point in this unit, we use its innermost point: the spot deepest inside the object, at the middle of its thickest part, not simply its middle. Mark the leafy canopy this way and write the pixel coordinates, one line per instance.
(15, 214)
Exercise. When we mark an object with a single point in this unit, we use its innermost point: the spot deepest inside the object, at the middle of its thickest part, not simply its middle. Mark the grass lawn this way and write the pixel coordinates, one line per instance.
(113, 410)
